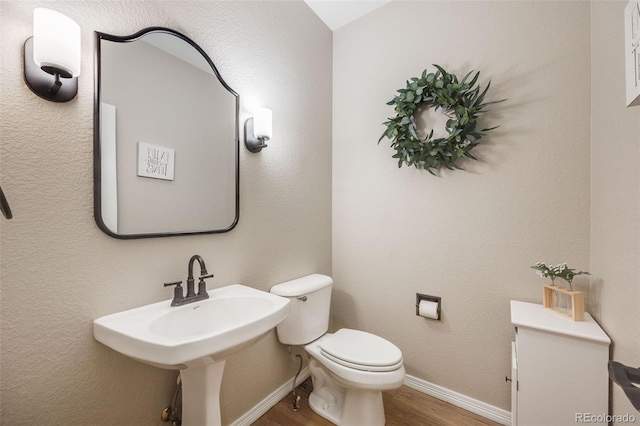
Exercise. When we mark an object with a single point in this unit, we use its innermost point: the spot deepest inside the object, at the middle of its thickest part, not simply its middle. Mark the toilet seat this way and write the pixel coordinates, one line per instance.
(352, 378)
(361, 351)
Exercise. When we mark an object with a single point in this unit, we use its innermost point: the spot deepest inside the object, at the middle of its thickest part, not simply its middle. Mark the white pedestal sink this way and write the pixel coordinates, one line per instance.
(195, 339)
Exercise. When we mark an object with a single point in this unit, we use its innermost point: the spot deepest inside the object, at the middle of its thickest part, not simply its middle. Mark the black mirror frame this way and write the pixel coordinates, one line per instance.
(97, 165)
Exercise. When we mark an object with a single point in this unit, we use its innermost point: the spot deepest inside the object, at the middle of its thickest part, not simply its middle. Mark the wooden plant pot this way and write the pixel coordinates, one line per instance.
(577, 301)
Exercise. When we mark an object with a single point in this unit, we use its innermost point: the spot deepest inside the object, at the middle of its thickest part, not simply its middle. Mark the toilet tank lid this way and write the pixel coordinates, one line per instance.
(301, 286)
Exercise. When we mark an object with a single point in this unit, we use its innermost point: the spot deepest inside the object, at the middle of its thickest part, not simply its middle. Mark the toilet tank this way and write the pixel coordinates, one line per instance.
(308, 318)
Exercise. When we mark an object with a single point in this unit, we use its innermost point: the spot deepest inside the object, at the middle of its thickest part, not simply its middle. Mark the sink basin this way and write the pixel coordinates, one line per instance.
(173, 337)
(194, 338)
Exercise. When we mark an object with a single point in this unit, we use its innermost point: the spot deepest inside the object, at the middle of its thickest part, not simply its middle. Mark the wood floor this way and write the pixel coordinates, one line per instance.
(405, 406)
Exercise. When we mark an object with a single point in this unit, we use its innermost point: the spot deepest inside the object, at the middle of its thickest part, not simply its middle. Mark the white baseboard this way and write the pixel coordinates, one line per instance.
(454, 398)
(271, 400)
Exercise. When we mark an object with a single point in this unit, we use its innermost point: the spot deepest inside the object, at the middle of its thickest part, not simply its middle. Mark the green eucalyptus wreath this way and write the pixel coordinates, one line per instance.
(463, 104)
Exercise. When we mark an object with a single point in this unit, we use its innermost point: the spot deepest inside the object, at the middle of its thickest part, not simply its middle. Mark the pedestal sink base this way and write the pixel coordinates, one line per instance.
(195, 338)
(201, 394)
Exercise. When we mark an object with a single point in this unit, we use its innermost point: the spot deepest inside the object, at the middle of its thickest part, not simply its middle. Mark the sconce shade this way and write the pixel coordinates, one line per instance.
(56, 43)
(262, 125)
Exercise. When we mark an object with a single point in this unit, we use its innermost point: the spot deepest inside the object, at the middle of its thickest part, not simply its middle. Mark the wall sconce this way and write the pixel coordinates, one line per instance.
(52, 54)
(258, 129)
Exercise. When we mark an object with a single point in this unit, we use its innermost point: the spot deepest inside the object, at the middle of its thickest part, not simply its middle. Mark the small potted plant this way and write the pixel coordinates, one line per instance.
(558, 271)
(551, 292)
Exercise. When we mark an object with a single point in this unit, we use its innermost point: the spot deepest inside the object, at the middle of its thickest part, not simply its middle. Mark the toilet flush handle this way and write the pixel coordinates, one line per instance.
(303, 298)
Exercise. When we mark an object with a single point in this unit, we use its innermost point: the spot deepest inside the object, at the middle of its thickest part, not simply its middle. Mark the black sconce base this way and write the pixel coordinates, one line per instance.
(252, 143)
(43, 84)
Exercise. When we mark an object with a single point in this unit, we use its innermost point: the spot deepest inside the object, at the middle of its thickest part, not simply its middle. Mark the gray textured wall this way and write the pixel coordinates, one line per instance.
(467, 236)
(615, 193)
(60, 272)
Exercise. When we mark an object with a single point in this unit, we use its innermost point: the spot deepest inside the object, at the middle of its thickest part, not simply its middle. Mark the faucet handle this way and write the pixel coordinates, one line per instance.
(177, 292)
(202, 286)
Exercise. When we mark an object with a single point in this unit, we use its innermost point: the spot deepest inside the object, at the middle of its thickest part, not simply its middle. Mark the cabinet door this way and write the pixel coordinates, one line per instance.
(514, 384)
(559, 377)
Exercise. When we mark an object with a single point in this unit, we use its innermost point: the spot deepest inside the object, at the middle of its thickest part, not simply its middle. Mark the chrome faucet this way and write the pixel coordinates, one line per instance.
(192, 296)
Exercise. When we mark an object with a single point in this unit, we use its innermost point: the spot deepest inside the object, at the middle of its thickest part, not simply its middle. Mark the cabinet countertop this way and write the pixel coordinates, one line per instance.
(537, 317)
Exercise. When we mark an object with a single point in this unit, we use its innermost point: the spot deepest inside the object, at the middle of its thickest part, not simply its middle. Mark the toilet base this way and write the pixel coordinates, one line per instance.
(329, 411)
(344, 406)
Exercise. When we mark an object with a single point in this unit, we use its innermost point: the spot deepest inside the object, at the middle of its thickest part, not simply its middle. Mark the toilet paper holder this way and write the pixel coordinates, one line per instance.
(435, 299)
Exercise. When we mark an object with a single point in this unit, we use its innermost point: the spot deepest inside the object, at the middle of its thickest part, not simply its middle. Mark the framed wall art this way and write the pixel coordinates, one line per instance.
(155, 161)
(632, 51)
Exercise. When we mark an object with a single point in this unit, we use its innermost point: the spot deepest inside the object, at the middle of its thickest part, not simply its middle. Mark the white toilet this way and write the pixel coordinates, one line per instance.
(349, 368)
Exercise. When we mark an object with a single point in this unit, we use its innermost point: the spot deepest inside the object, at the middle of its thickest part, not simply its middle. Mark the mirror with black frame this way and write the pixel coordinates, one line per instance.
(165, 138)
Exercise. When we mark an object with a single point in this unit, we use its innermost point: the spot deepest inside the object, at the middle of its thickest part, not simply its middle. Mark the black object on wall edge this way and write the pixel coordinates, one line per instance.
(4, 206)
(628, 378)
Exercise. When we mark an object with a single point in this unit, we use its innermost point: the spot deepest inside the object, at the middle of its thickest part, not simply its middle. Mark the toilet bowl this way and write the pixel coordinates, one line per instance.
(357, 400)
(349, 368)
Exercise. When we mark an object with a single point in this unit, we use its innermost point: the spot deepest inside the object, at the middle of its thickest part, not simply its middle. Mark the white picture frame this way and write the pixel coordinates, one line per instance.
(632, 52)
(155, 161)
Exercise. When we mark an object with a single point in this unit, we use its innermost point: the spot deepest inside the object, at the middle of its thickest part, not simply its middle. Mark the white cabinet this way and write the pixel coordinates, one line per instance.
(559, 368)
